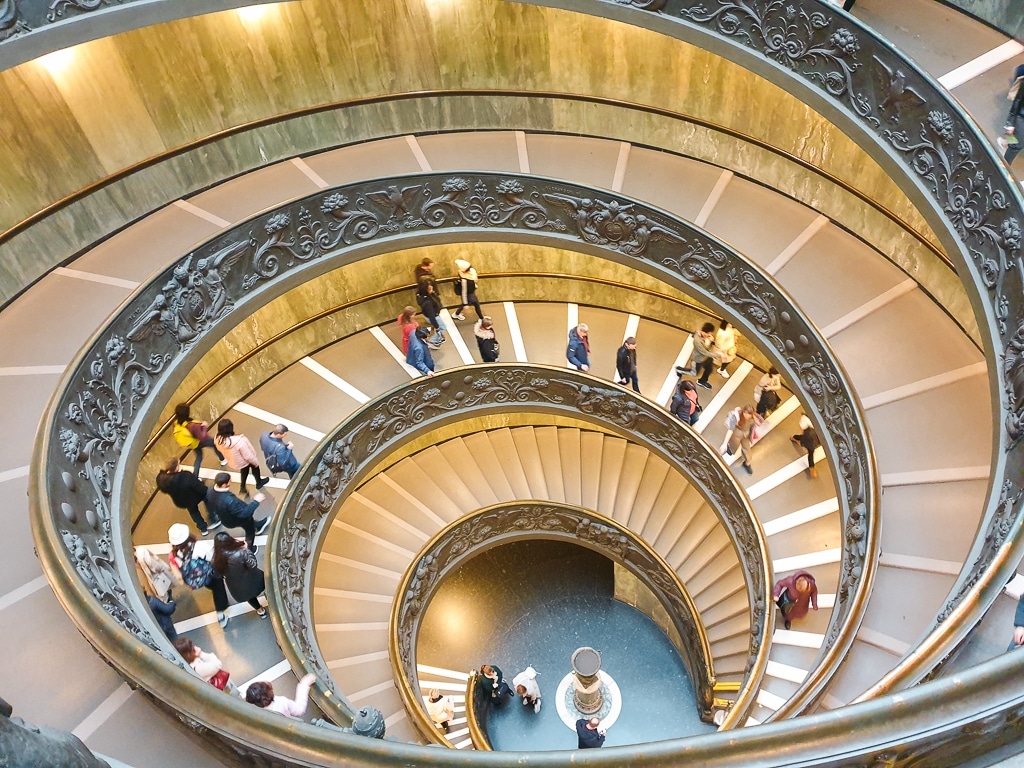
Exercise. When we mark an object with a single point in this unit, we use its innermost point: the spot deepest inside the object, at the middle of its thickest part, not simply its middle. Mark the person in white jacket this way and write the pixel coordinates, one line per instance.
(262, 695)
(440, 708)
(525, 684)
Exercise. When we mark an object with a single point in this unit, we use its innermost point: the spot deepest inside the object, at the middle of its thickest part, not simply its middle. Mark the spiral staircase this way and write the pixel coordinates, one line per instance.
(921, 379)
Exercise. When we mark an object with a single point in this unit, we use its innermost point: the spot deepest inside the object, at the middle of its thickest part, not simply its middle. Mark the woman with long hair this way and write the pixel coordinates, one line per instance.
(240, 454)
(194, 570)
(233, 560)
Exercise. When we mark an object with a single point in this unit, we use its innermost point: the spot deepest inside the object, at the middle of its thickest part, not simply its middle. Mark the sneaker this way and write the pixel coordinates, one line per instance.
(214, 524)
(703, 384)
(750, 469)
(536, 706)
(223, 462)
(458, 317)
(793, 439)
(206, 532)
(723, 373)
(262, 525)
(262, 613)
(261, 483)
(788, 624)
(222, 618)
(433, 345)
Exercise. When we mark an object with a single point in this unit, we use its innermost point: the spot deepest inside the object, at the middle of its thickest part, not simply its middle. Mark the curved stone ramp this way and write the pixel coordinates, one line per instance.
(379, 530)
(40, 338)
(922, 381)
(811, 516)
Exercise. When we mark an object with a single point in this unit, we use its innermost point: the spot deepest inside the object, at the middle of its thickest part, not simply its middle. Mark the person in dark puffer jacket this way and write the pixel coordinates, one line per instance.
(485, 339)
(186, 491)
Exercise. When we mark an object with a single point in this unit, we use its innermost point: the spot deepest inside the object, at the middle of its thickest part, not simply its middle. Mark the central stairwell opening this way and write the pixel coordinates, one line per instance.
(532, 603)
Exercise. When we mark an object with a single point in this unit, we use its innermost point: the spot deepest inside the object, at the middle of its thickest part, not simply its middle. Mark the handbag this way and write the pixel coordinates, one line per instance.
(220, 680)
(785, 602)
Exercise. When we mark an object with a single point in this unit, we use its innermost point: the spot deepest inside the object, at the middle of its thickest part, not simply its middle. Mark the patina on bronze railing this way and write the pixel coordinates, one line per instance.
(349, 456)
(478, 702)
(109, 400)
(474, 534)
(941, 160)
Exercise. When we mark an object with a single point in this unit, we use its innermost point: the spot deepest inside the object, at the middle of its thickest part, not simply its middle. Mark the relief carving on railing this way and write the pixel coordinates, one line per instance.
(933, 140)
(383, 425)
(476, 533)
(107, 402)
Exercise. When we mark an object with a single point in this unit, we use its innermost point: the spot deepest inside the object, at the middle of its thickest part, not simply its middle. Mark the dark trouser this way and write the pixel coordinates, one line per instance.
(808, 445)
(1012, 150)
(255, 473)
(197, 518)
(255, 601)
(207, 443)
(705, 368)
(220, 594)
(247, 524)
(498, 694)
(633, 380)
(472, 301)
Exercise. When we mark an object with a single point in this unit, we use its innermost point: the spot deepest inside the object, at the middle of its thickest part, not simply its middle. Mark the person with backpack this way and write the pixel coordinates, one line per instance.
(186, 491)
(194, 570)
(193, 435)
(429, 299)
(685, 403)
(234, 512)
(278, 454)
(240, 455)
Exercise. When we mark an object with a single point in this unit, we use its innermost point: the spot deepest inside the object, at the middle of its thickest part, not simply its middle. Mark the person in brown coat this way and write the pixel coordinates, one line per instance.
(793, 594)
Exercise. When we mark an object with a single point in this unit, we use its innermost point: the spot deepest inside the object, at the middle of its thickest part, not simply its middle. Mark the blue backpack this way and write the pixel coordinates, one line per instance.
(196, 572)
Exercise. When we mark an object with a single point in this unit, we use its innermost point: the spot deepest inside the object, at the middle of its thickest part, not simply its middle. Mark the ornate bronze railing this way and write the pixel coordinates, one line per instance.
(474, 534)
(350, 455)
(942, 161)
(108, 403)
(478, 707)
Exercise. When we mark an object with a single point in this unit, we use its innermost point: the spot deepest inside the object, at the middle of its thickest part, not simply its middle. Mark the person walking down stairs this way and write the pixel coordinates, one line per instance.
(807, 439)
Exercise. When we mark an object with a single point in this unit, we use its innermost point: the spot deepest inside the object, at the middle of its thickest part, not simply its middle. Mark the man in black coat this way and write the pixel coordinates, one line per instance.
(186, 491)
(625, 364)
(234, 512)
(590, 733)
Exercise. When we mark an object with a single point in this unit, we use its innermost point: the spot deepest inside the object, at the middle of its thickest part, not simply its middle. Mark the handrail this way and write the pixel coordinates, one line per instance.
(109, 399)
(477, 701)
(349, 456)
(472, 534)
(910, 124)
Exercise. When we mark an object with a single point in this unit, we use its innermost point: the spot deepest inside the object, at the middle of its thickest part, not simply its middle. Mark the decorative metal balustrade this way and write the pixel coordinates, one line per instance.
(109, 400)
(940, 158)
(348, 456)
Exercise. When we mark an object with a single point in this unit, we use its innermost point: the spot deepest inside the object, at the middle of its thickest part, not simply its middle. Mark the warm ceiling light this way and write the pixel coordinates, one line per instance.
(250, 14)
(58, 62)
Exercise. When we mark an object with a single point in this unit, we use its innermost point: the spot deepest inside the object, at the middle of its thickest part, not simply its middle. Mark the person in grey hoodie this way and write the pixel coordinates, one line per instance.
(578, 351)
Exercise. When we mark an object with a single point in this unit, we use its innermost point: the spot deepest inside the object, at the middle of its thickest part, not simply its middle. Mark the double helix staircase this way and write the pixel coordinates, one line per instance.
(922, 383)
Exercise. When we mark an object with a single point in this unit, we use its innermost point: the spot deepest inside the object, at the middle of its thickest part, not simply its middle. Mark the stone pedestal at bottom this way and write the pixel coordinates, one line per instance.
(587, 694)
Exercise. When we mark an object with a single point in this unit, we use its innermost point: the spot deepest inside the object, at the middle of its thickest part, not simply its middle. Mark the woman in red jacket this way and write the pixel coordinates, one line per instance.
(793, 594)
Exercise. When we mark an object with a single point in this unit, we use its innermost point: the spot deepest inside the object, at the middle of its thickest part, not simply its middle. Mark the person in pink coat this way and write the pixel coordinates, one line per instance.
(794, 594)
(239, 453)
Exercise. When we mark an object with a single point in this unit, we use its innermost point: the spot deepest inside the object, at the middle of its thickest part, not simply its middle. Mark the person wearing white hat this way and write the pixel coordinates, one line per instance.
(465, 289)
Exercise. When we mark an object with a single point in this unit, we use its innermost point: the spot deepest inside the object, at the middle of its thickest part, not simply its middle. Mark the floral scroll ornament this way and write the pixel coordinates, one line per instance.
(798, 39)
(193, 299)
(505, 206)
(60, 7)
